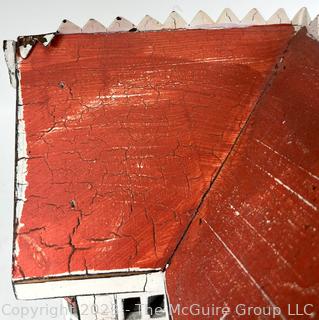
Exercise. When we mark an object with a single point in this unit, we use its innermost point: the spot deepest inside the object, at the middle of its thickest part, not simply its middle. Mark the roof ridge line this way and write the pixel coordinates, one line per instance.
(267, 85)
(201, 20)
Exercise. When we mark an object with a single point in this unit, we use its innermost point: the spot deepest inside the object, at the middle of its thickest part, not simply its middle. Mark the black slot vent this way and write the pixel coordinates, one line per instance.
(156, 306)
(132, 308)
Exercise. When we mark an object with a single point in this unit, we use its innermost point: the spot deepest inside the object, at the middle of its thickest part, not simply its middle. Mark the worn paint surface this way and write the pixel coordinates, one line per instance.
(124, 134)
(256, 240)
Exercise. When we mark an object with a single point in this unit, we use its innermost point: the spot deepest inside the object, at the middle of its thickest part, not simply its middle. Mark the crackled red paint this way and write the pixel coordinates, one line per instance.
(124, 134)
(256, 239)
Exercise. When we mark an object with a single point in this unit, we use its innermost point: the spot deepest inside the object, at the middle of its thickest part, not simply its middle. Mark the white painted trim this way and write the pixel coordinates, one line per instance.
(93, 26)
(279, 17)
(174, 21)
(48, 38)
(25, 50)
(9, 47)
(149, 23)
(68, 27)
(301, 19)
(227, 16)
(201, 19)
(79, 287)
(313, 28)
(21, 169)
(110, 306)
(120, 24)
(253, 17)
(89, 272)
(97, 307)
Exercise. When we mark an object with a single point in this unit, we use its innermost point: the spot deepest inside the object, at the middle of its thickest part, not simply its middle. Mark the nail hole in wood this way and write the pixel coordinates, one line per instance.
(72, 204)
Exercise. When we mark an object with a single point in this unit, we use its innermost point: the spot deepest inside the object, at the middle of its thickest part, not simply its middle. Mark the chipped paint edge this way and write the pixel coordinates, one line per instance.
(254, 17)
(9, 49)
(301, 19)
(86, 273)
(120, 24)
(25, 44)
(168, 301)
(174, 21)
(79, 287)
(21, 165)
(313, 28)
(113, 303)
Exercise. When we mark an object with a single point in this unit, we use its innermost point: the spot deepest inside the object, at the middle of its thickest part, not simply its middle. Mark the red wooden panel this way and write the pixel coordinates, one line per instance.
(124, 133)
(256, 240)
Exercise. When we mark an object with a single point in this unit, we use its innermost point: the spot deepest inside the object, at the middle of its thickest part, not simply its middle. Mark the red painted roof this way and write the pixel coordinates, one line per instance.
(125, 133)
(255, 240)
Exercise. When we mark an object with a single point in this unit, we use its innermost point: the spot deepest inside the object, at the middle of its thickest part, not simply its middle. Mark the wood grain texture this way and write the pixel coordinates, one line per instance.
(124, 134)
(255, 240)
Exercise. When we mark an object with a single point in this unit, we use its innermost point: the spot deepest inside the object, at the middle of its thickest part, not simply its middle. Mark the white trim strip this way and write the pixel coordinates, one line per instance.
(279, 17)
(68, 288)
(9, 47)
(68, 27)
(93, 26)
(202, 20)
(120, 24)
(313, 28)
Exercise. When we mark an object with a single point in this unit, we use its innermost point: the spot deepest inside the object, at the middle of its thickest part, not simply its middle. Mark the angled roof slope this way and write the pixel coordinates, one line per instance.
(255, 240)
(119, 138)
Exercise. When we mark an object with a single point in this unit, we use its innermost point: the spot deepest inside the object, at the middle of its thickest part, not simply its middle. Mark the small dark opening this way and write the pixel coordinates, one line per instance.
(132, 308)
(156, 306)
(72, 204)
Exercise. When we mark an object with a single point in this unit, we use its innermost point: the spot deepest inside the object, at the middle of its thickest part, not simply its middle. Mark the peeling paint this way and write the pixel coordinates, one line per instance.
(9, 48)
(22, 154)
(127, 144)
(27, 43)
(257, 230)
(147, 281)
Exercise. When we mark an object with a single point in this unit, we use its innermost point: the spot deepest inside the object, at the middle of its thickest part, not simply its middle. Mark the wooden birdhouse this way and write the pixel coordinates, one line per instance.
(160, 166)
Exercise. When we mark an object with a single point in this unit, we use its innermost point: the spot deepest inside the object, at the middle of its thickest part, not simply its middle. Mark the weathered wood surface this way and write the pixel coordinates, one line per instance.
(124, 133)
(256, 240)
